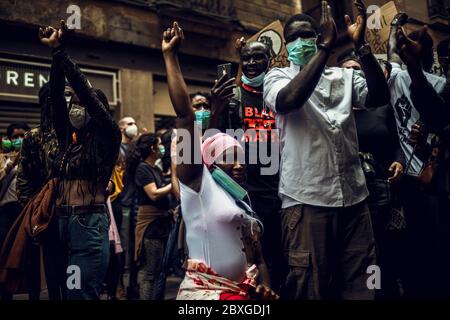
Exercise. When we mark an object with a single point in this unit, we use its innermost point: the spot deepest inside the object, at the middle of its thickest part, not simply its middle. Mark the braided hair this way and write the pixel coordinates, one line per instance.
(86, 158)
(46, 110)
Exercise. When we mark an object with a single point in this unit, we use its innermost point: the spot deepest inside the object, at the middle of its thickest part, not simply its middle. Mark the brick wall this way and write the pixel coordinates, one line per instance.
(258, 13)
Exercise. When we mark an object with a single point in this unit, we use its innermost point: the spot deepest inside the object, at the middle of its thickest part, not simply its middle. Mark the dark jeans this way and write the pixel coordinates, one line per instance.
(33, 269)
(114, 272)
(328, 251)
(427, 253)
(153, 253)
(80, 243)
(390, 253)
(8, 215)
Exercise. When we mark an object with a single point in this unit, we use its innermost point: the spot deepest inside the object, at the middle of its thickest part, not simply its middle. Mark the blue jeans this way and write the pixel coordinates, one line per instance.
(79, 256)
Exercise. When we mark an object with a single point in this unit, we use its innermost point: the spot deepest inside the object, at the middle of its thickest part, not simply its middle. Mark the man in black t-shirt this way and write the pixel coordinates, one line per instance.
(246, 111)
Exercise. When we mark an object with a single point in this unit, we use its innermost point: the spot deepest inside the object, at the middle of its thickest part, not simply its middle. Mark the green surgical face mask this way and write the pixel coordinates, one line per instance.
(253, 82)
(7, 144)
(17, 144)
(228, 184)
(203, 117)
(301, 50)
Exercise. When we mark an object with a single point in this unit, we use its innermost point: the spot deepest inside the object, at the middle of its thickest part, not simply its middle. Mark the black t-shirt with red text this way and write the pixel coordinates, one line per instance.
(258, 122)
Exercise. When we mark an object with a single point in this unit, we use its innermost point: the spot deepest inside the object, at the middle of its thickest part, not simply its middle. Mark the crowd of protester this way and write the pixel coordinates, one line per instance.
(363, 179)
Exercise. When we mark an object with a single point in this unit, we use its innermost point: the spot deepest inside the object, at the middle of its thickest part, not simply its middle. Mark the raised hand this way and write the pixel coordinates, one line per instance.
(54, 37)
(64, 32)
(328, 26)
(49, 36)
(409, 50)
(357, 31)
(172, 38)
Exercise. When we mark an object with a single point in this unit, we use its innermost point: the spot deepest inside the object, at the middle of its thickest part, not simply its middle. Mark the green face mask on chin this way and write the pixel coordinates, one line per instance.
(228, 184)
(301, 50)
(253, 82)
(203, 117)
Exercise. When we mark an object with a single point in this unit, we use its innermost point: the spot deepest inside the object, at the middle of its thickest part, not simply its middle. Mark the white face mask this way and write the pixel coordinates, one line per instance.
(131, 131)
(78, 116)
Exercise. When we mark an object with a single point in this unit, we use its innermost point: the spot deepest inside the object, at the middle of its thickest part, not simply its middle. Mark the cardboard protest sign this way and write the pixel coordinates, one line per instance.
(379, 26)
(272, 36)
(378, 37)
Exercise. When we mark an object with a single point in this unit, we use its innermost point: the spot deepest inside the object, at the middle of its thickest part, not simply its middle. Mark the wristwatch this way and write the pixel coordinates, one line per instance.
(363, 51)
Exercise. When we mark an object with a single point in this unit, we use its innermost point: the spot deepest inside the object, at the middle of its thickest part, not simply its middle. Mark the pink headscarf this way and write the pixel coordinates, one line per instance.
(214, 146)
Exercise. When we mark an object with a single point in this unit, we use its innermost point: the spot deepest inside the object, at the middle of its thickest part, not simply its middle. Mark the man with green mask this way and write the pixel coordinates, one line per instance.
(201, 103)
(16, 133)
(327, 233)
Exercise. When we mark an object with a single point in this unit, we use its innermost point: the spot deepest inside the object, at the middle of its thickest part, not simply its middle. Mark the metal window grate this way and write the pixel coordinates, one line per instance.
(9, 113)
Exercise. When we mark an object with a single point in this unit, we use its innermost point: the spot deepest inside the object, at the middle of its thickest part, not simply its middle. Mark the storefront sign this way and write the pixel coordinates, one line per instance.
(22, 80)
